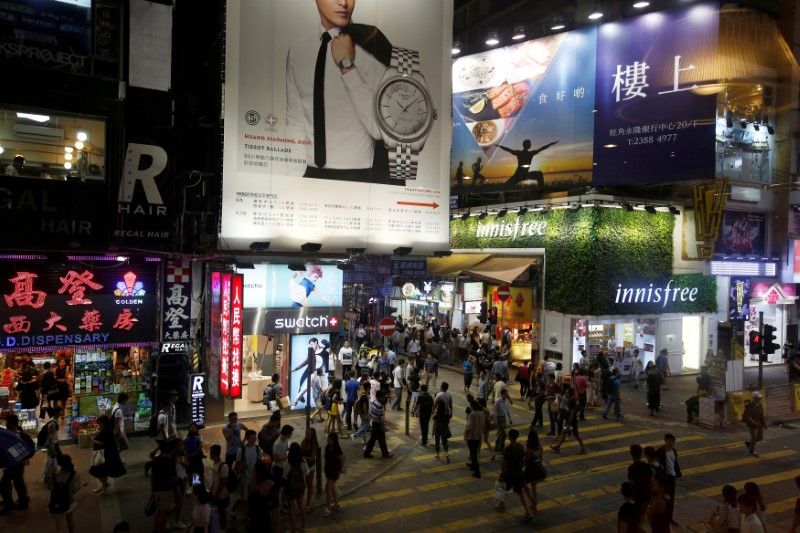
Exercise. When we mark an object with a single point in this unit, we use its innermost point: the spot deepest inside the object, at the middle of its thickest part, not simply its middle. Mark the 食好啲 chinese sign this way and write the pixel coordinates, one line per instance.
(45, 305)
(177, 301)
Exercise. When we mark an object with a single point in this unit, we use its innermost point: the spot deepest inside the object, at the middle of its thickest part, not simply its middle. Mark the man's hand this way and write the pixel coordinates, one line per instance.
(341, 47)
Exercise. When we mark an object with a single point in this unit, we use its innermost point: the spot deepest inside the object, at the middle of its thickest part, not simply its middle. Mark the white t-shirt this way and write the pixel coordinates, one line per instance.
(398, 376)
(218, 471)
(751, 524)
(346, 356)
(163, 426)
(670, 466)
(248, 456)
(281, 449)
(119, 419)
(413, 346)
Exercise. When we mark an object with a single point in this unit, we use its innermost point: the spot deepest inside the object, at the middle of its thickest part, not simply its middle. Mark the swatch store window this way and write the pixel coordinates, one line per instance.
(281, 303)
(94, 320)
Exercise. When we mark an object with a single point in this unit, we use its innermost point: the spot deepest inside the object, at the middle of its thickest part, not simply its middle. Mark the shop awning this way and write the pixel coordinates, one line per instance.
(500, 269)
(444, 266)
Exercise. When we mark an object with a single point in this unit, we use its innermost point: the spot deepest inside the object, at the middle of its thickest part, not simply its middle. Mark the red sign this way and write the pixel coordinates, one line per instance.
(225, 336)
(386, 327)
(237, 309)
(503, 292)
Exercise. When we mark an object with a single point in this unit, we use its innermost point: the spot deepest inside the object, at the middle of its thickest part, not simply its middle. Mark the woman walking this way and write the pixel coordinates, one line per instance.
(201, 513)
(310, 449)
(654, 382)
(62, 383)
(106, 462)
(726, 517)
(534, 468)
(295, 482)
(334, 466)
(334, 422)
(193, 446)
(28, 388)
(65, 484)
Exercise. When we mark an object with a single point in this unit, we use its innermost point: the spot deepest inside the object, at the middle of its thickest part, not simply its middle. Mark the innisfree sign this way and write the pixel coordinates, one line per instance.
(682, 293)
(512, 230)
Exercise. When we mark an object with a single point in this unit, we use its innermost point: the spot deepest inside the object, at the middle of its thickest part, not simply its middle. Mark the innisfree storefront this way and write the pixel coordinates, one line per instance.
(607, 282)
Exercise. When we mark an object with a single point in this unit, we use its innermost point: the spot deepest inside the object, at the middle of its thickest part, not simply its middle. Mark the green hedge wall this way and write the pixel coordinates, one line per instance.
(590, 251)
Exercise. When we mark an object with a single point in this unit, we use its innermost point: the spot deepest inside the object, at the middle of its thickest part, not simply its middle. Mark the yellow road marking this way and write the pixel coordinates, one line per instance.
(612, 451)
(737, 462)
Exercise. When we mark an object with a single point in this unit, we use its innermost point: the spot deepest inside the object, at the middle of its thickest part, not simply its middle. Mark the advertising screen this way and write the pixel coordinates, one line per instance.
(274, 286)
(742, 233)
(607, 105)
(305, 349)
(337, 124)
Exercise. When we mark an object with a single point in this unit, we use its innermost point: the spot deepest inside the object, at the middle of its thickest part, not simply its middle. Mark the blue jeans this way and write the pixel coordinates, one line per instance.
(348, 414)
(362, 431)
(612, 399)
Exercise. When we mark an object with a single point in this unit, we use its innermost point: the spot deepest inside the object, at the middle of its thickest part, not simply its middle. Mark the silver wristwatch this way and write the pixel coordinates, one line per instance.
(404, 112)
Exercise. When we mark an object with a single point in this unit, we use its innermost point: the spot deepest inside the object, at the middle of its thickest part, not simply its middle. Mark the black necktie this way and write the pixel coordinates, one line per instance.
(319, 102)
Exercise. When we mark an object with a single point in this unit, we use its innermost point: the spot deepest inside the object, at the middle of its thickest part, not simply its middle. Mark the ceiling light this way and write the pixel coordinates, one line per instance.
(68, 156)
(522, 210)
(68, 165)
(609, 146)
(79, 145)
(641, 5)
(503, 212)
(674, 210)
(2, 149)
(492, 38)
(596, 13)
(558, 23)
(627, 207)
(347, 265)
(69, 149)
(483, 215)
(402, 250)
(442, 253)
(311, 247)
(519, 32)
(650, 209)
(82, 136)
(456, 48)
(33, 117)
(465, 216)
(259, 246)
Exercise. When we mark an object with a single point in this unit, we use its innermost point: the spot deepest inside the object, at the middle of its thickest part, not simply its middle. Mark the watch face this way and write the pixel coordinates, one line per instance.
(404, 109)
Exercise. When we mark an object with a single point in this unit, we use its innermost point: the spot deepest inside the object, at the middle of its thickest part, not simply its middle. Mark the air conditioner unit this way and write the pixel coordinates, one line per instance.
(38, 132)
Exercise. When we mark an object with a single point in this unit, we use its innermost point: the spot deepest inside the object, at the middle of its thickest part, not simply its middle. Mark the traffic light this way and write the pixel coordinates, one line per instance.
(493, 315)
(482, 318)
(755, 342)
(770, 346)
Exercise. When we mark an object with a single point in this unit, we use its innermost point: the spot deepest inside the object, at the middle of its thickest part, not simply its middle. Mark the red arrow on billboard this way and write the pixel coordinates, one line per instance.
(433, 205)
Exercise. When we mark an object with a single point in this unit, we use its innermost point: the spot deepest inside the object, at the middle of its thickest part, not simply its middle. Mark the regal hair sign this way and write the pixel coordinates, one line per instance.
(653, 294)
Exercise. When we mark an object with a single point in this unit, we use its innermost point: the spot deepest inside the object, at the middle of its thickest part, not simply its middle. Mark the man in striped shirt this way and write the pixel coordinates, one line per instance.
(377, 414)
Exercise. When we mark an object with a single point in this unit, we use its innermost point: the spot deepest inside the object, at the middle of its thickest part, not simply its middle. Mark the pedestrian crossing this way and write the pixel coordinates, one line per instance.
(581, 492)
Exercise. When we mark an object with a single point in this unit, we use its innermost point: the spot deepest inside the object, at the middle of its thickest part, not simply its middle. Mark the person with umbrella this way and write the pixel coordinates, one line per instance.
(17, 447)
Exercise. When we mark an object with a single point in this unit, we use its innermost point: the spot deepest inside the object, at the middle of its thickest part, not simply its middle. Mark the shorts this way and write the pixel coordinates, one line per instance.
(69, 510)
(515, 484)
(277, 477)
(165, 500)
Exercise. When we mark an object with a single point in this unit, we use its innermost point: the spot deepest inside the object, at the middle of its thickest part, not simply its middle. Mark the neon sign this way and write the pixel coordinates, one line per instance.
(225, 336)
(129, 286)
(237, 308)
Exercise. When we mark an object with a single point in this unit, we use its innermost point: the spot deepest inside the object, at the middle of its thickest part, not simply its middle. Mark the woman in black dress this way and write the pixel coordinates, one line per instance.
(334, 465)
(260, 502)
(62, 375)
(28, 389)
(112, 465)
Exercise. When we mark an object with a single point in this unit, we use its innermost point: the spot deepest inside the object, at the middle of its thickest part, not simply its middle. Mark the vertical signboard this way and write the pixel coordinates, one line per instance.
(197, 398)
(225, 335)
(177, 304)
(652, 123)
(237, 308)
(739, 299)
(362, 159)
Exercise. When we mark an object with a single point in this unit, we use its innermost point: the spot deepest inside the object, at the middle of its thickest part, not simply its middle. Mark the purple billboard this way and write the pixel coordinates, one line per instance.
(653, 123)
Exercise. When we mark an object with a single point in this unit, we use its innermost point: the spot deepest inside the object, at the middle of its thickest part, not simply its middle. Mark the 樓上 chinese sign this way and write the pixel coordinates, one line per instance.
(47, 305)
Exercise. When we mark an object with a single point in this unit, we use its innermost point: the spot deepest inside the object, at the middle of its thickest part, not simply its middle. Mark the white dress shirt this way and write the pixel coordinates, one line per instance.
(349, 117)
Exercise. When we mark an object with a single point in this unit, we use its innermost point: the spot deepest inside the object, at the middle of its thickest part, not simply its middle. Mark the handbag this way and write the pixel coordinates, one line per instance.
(446, 433)
(151, 508)
(500, 491)
(98, 457)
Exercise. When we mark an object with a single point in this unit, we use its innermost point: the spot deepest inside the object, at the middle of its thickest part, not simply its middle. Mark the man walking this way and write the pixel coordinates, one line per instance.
(318, 392)
(431, 370)
(662, 362)
(668, 458)
(377, 414)
(346, 358)
(399, 384)
(15, 474)
(473, 433)
(232, 432)
(425, 409)
(753, 417)
(613, 388)
(351, 387)
(502, 417)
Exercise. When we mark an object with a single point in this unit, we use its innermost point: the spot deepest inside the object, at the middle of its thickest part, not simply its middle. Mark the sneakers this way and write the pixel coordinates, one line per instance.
(620, 417)
(500, 507)
(527, 518)
(447, 459)
(179, 525)
(604, 417)
(583, 451)
(436, 456)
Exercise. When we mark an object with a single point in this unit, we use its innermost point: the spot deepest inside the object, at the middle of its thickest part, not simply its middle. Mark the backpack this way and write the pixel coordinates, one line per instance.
(152, 429)
(268, 395)
(358, 408)
(296, 482)
(60, 495)
(44, 434)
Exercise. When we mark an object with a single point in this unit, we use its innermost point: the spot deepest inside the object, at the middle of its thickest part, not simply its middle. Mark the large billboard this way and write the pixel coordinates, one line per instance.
(332, 133)
(274, 286)
(615, 104)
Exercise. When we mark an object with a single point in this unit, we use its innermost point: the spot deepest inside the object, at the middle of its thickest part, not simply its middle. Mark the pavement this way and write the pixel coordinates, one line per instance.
(131, 492)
